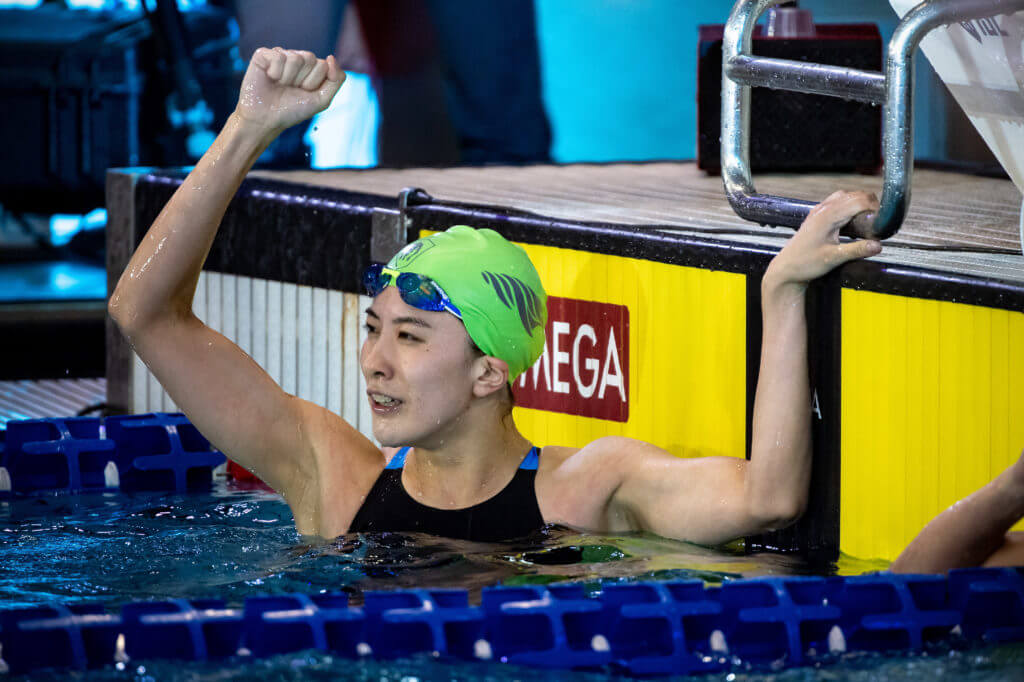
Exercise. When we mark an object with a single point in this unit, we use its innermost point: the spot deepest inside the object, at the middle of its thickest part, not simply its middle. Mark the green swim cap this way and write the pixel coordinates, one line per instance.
(493, 283)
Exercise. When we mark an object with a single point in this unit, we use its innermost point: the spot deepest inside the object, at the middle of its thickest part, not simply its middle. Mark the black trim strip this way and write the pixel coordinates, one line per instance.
(658, 243)
(902, 280)
(630, 241)
(320, 236)
(816, 535)
(285, 232)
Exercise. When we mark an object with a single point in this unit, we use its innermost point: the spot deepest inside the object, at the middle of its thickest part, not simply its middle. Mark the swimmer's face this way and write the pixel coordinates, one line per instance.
(418, 367)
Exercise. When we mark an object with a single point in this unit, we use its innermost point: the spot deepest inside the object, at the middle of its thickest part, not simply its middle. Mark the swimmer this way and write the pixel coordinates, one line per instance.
(973, 532)
(455, 318)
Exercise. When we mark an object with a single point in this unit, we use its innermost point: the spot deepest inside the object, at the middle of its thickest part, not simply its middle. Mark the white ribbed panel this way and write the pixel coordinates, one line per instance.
(155, 399)
(289, 348)
(228, 307)
(274, 324)
(259, 322)
(140, 386)
(199, 300)
(243, 319)
(350, 360)
(334, 378)
(320, 343)
(304, 344)
(213, 307)
(307, 339)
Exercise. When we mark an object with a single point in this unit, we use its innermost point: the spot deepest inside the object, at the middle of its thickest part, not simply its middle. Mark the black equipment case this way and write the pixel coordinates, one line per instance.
(83, 90)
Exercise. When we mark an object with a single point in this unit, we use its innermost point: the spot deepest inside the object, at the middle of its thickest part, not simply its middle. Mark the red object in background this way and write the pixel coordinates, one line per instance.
(584, 369)
(241, 475)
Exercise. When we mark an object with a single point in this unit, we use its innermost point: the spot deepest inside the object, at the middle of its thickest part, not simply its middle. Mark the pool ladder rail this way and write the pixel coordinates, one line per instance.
(641, 628)
(892, 89)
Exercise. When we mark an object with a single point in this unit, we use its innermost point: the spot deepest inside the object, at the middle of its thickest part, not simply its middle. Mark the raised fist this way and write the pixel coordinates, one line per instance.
(284, 87)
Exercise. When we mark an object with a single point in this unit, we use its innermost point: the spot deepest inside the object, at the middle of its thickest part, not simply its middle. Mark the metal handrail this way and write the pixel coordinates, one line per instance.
(892, 89)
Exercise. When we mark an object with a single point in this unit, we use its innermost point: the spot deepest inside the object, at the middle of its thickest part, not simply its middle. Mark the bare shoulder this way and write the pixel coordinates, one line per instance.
(347, 464)
(575, 486)
(606, 455)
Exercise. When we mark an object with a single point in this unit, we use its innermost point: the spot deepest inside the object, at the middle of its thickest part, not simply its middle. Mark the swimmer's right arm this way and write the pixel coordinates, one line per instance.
(224, 392)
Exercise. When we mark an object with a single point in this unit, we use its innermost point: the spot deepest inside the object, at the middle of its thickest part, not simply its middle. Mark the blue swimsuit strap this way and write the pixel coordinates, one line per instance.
(529, 463)
(398, 461)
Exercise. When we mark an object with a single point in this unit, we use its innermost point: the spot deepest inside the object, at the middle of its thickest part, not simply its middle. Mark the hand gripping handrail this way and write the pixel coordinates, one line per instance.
(892, 89)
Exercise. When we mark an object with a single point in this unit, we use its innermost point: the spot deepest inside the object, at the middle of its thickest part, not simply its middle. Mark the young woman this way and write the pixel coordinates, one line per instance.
(454, 319)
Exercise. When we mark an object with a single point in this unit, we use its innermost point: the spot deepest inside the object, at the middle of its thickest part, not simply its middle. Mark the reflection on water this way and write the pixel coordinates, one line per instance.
(993, 664)
(237, 543)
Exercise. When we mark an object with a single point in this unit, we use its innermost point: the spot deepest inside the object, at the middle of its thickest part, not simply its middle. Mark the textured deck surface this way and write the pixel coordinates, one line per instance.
(49, 397)
(952, 216)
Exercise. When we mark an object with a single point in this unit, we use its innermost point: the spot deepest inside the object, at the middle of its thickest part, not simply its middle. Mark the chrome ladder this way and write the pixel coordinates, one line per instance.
(892, 89)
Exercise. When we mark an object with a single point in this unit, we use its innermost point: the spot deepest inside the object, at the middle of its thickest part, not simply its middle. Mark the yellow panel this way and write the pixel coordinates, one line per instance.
(687, 352)
(928, 412)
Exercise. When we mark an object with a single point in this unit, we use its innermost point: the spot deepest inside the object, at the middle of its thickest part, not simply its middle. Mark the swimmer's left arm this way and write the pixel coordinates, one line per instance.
(711, 500)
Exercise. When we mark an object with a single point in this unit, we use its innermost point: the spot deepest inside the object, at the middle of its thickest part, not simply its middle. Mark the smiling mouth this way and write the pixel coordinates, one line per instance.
(383, 404)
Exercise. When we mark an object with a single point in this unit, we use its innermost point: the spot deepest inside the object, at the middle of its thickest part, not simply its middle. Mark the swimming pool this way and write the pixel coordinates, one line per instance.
(116, 570)
(235, 543)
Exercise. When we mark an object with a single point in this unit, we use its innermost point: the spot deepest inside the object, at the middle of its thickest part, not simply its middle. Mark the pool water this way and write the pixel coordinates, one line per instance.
(234, 543)
(992, 664)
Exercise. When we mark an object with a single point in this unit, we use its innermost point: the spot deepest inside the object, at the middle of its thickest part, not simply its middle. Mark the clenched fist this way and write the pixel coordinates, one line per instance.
(284, 87)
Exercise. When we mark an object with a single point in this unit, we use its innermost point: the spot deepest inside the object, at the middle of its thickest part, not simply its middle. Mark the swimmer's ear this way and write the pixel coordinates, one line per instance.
(491, 375)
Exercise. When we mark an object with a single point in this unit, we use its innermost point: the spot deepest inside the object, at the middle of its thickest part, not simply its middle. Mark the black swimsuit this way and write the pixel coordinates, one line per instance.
(512, 513)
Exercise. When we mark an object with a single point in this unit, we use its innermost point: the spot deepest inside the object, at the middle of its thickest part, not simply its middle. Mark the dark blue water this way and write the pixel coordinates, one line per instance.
(232, 543)
(236, 543)
(993, 664)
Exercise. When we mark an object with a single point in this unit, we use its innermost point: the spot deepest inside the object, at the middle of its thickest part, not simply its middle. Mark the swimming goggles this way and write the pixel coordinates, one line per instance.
(419, 291)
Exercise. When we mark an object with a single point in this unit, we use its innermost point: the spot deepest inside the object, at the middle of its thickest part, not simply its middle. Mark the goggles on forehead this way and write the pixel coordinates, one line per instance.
(419, 291)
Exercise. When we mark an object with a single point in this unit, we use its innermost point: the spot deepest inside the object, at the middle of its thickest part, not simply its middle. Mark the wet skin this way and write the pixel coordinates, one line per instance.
(432, 393)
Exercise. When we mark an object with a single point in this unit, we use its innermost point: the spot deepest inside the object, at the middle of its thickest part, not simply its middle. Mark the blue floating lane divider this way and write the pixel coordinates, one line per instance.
(991, 603)
(655, 628)
(137, 452)
(63, 454)
(58, 636)
(279, 624)
(5, 474)
(553, 627)
(437, 621)
(886, 612)
(164, 451)
(772, 619)
(645, 628)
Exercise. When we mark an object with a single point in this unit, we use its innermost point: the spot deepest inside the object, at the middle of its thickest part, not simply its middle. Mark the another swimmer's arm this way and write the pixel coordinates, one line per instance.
(972, 532)
(227, 395)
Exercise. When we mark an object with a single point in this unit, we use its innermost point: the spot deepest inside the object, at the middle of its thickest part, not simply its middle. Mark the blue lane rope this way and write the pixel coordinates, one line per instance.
(642, 628)
(645, 628)
(135, 452)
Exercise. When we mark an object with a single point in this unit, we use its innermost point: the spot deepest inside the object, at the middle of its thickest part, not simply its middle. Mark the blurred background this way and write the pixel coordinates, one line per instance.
(91, 84)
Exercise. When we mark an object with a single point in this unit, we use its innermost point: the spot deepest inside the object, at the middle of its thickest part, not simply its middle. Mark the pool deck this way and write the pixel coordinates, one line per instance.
(957, 223)
(916, 352)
